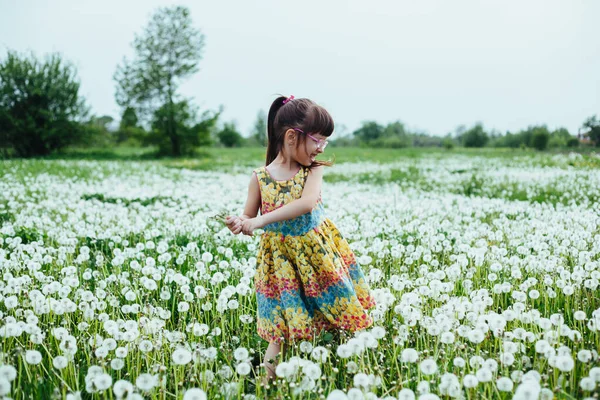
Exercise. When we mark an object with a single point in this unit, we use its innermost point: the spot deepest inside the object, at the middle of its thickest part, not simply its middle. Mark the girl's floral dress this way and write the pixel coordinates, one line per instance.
(307, 277)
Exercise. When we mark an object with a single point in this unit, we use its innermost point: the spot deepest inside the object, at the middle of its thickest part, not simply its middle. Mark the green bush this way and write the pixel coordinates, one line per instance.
(539, 139)
(40, 105)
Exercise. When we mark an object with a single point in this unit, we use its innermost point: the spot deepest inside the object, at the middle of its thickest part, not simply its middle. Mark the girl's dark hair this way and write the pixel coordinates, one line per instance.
(302, 114)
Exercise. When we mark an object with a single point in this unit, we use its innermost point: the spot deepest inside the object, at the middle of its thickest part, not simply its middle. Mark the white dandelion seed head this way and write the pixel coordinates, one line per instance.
(181, 356)
(337, 394)
(504, 384)
(243, 369)
(146, 382)
(470, 381)
(241, 354)
(33, 357)
(195, 394)
(306, 347)
(409, 355)
(428, 367)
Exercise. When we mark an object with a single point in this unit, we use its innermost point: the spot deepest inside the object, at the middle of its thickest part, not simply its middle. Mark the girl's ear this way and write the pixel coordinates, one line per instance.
(290, 136)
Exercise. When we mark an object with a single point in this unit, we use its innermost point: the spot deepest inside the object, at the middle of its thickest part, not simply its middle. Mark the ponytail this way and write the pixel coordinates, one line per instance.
(274, 145)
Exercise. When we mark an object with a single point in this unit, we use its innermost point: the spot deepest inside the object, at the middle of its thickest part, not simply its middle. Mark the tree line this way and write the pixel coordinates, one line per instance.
(395, 135)
(42, 110)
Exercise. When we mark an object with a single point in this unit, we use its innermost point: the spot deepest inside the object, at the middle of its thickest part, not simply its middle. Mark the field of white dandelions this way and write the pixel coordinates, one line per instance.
(116, 283)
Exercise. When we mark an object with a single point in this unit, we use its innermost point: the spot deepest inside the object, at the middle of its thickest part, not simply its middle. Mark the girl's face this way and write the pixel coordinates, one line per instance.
(313, 146)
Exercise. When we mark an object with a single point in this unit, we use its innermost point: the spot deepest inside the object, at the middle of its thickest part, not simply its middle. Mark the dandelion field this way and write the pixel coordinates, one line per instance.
(116, 282)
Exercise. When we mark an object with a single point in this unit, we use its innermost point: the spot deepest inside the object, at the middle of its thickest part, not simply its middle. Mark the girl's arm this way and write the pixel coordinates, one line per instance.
(250, 210)
(253, 200)
(303, 205)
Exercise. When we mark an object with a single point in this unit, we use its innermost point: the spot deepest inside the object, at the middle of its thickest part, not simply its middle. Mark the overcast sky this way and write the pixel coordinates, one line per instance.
(431, 64)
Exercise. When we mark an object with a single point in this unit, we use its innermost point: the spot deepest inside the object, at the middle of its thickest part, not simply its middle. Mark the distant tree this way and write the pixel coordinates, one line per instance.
(458, 132)
(448, 142)
(189, 130)
(259, 132)
(369, 132)
(572, 142)
(559, 138)
(129, 119)
(593, 124)
(97, 132)
(540, 138)
(167, 52)
(229, 136)
(129, 129)
(41, 109)
(394, 135)
(474, 137)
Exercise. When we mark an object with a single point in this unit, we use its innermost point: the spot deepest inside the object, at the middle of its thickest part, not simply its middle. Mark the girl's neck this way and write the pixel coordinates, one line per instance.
(286, 165)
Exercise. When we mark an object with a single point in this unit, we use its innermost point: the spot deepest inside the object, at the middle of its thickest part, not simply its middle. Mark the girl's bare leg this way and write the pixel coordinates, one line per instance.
(270, 360)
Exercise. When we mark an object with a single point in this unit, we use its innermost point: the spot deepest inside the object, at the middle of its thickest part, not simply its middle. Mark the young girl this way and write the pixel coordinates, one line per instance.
(307, 277)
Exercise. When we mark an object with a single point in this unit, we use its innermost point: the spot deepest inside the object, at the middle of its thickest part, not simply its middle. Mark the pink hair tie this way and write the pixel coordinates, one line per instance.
(288, 99)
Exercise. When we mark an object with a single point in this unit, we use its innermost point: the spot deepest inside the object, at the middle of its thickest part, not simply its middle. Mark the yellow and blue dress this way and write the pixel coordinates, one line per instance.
(307, 277)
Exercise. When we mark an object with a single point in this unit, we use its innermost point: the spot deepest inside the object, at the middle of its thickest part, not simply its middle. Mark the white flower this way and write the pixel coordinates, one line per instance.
(103, 381)
(122, 388)
(409, 355)
(8, 372)
(528, 390)
(320, 354)
(146, 382)
(33, 357)
(145, 346)
(241, 354)
(476, 336)
(459, 362)
(579, 315)
(121, 352)
(542, 346)
(584, 355)
(406, 394)
(313, 371)
(447, 338)
(337, 394)
(470, 381)
(4, 387)
(352, 367)
(378, 332)
(243, 368)
(587, 384)
(101, 352)
(565, 363)
(306, 347)
(484, 375)
(194, 394)
(200, 329)
(284, 370)
(428, 366)
(429, 396)
(117, 364)
(355, 394)
(361, 380)
(181, 356)
(344, 351)
(60, 362)
(504, 384)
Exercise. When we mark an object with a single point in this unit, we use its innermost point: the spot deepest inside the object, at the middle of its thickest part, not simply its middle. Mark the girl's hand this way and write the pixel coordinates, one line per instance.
(249, 225)
(234, 223)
